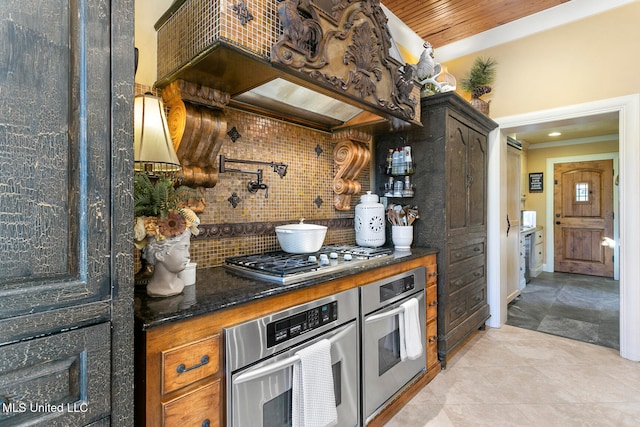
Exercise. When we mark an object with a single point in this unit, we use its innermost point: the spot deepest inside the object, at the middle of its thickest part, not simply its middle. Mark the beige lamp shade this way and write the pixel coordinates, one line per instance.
(153, 148)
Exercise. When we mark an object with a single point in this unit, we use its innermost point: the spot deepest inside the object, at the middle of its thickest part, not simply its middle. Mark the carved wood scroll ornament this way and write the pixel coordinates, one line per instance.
(347, 49)
(351, 155)
(197, 124)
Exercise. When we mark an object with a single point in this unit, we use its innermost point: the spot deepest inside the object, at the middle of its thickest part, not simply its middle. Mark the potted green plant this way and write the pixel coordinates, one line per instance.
(159, 210)
(479, 80)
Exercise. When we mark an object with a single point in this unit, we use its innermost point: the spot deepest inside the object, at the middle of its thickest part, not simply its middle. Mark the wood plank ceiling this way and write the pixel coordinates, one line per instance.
(441, 22)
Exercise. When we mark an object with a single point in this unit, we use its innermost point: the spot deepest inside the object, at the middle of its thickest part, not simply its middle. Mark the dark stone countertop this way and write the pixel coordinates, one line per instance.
(217, 288)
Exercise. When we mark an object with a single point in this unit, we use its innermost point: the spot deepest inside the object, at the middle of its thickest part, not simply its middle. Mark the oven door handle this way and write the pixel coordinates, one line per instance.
(284, 363)
(390, 313)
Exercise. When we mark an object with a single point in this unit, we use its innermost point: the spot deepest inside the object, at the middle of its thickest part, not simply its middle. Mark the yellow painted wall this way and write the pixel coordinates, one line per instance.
(591, 59)
(147, 13)
(587, 60)
(537, 162)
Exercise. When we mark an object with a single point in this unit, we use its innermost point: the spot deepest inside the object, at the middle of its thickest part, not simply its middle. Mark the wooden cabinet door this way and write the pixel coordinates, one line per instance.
(477, 180)
(54, 168)
(457, 181)
(466, 178)
(56, 84)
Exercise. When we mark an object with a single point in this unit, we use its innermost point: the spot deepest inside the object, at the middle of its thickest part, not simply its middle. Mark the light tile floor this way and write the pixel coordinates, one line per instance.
(516, 377)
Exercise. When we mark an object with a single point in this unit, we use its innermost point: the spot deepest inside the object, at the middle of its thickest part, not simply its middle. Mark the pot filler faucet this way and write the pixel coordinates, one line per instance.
(253, 186)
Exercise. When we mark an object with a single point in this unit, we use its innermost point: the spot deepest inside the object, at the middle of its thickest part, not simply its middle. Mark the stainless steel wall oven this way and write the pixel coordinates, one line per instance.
(260, 356)
(384, 370)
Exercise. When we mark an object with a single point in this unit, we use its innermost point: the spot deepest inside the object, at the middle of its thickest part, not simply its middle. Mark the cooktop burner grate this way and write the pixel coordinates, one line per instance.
(283, 267)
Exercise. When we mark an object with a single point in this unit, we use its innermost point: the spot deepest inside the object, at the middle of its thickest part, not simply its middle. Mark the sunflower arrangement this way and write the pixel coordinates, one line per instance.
(159, 210)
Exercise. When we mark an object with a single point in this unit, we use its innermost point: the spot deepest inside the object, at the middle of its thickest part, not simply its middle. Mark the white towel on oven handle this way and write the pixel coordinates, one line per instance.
(313, 398)
(410, 330)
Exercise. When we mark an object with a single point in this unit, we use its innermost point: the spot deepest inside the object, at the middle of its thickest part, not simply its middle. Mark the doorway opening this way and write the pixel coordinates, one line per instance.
(567, 298)
(628, 108)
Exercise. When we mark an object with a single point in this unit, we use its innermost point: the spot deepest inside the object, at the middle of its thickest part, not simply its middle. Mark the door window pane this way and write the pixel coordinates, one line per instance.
(582, 192)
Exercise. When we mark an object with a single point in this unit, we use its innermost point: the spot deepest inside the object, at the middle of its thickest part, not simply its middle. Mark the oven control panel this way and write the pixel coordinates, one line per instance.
(397, 287)
(292, 326)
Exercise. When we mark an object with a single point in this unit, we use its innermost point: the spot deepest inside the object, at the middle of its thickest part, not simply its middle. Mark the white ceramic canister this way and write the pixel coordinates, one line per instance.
(369, 221)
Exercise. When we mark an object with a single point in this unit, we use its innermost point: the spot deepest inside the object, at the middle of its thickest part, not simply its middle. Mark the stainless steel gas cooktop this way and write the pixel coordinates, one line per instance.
(286, 268)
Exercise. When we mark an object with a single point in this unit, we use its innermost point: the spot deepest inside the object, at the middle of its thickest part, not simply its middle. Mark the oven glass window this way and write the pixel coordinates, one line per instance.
(388, 351)
(337, 382)
(278, 411)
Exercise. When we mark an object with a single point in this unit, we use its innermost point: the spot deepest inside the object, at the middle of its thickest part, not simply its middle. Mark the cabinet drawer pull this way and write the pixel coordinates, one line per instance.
(181, 369)
(433, 304)
(206, 423)
(459, 310)
(477, 274)
(477, 298)
(434, 274)
(458, 282)
(433, 338)
(476, 249)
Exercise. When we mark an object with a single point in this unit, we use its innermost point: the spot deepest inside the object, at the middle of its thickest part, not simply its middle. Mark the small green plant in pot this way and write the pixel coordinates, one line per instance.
(479, 80)
(159, 210)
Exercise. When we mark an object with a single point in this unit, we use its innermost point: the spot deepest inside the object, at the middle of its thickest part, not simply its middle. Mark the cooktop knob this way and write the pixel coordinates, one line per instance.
(312, 258)
(324, 259)
(333, 255)
(347, 257)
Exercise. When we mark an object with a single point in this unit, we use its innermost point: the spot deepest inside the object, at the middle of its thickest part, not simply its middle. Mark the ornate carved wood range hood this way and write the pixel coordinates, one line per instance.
(327, 64)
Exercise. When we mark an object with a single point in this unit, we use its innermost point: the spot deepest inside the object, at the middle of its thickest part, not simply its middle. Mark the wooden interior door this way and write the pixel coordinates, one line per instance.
(583, 210)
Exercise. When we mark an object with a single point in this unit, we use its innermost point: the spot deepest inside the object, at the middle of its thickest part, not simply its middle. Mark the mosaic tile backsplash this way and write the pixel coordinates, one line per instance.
(305, 192)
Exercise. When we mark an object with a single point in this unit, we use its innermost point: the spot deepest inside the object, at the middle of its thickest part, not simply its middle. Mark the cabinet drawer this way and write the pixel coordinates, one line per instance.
(465, 304)
(537, 256)
(458, 254)
(432, 302)
(466, 278)
(476, 298)
(456, 312)
(539, 237)
(432, 273)
(184, 365)
(198, 408)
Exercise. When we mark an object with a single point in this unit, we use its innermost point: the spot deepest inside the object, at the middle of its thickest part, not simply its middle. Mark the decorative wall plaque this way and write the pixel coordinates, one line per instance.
(536, 182)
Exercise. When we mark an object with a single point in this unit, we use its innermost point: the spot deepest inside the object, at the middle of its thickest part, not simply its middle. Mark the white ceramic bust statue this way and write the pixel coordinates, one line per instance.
(169, 257)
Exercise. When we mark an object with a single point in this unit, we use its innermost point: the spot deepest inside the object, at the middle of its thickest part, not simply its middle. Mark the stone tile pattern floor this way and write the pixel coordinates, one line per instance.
(516, 377)
(584, 308)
